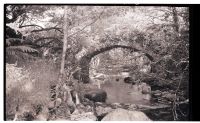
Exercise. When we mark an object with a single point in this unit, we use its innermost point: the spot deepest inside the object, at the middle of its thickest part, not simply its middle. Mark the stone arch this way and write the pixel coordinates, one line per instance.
(84, 62)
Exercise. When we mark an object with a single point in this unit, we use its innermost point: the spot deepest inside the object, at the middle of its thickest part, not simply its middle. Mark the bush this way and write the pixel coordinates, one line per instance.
(29, 84)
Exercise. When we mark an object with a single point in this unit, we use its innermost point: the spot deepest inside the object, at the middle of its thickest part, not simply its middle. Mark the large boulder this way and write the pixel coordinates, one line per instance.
(129, 80)
(144, 88)
(125, 115)
(88, 116)
(103, 110)
(97, 95)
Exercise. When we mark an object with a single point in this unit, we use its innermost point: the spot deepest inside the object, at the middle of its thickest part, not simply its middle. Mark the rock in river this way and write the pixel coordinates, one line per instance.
(125, 115)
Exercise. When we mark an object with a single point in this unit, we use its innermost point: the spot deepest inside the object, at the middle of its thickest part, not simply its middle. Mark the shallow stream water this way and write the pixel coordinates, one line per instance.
(120, 92)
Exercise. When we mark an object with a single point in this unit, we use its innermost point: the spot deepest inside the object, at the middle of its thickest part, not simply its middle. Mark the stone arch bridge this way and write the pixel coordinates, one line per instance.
(84, 63)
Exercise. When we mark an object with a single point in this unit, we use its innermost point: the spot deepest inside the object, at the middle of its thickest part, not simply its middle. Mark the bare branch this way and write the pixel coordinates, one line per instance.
(30, 25)
(47, 29)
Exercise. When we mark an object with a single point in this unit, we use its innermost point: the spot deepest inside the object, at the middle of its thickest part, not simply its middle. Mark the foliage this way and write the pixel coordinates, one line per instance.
(29, 84)
(19, 52)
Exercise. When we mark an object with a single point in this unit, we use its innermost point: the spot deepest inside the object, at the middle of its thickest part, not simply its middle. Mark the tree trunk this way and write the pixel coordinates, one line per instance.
(64, 45)
(175, 19)
(65, 28)
(61, 88)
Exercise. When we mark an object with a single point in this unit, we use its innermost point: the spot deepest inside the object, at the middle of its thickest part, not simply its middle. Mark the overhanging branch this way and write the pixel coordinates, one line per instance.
(30, 25)
(87, 25)
(47, 29)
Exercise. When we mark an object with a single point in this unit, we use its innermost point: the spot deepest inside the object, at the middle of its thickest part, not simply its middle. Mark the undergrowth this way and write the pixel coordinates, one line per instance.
(29, 84)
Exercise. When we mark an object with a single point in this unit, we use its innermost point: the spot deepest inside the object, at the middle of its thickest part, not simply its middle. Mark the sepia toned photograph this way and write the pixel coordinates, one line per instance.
(87, 62)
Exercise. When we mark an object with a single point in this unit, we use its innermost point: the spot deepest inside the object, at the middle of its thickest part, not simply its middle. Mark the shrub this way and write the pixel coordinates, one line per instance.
(29, 84)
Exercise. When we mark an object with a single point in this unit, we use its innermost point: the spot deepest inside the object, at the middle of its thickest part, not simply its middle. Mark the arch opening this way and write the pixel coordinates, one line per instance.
(86, 60)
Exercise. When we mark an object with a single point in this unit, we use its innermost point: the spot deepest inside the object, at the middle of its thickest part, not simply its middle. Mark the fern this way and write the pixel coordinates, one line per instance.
(13, 41)
(8, 43)
(21, 52)
(23, 48)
